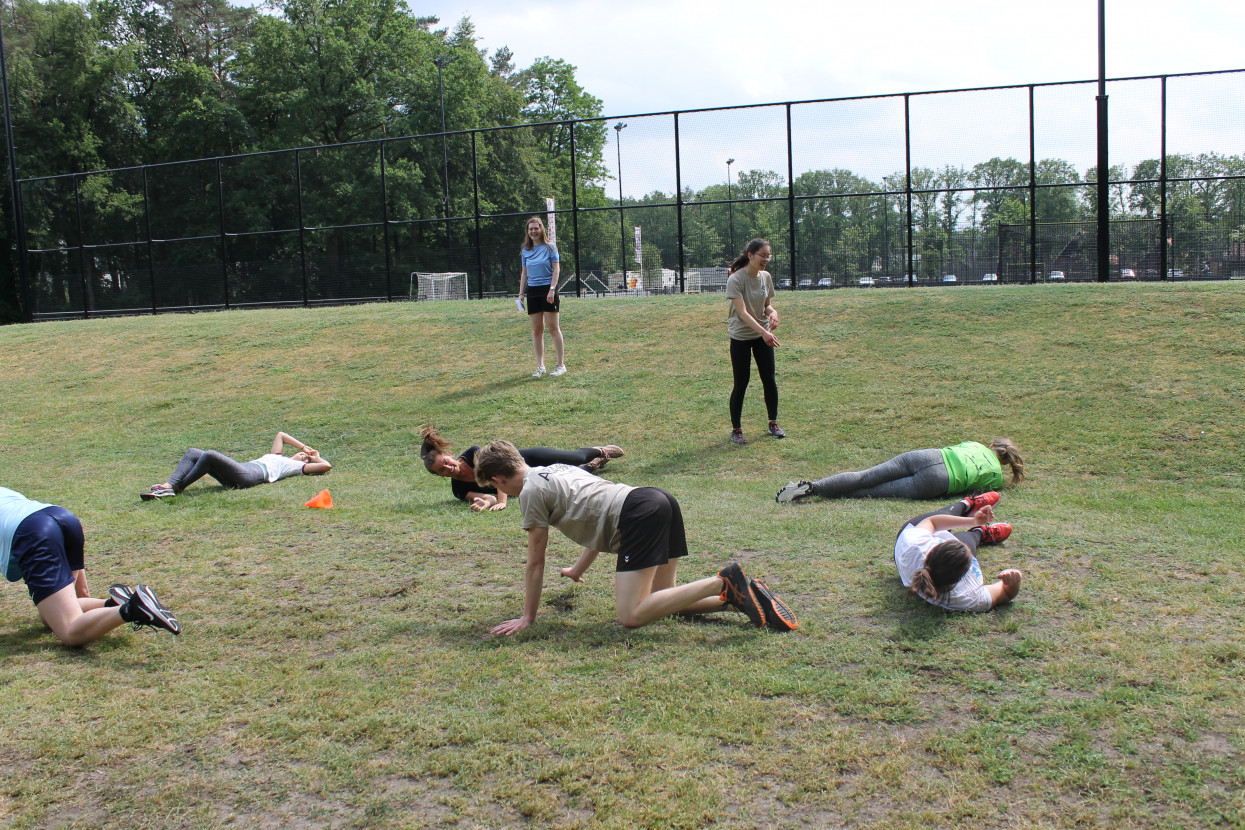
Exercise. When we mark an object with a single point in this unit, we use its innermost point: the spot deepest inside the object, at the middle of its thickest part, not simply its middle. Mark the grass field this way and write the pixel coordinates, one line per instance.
(336, 668)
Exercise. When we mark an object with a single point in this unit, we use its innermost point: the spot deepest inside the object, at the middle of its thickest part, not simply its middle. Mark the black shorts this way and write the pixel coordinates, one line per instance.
(48, 547)
(538, 300)
(651, 526)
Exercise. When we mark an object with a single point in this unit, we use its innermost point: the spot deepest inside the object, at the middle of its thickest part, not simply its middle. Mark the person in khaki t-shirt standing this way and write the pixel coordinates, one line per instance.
(643, 525)
(750, 322)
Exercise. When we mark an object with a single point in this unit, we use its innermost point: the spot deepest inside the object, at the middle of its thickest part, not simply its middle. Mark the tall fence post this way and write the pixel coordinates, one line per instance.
(1164, 262)
(579, 279)
(475, 197)
(384, 218)
(302, 240)
(1104, 161)
(907, 163)
(678, 205)
(1033, 250)
(791, 200)
(77, 203)
(224, 239)
(151, 260)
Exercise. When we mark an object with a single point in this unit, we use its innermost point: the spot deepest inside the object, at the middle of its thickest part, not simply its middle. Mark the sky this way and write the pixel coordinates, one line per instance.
(652, 56)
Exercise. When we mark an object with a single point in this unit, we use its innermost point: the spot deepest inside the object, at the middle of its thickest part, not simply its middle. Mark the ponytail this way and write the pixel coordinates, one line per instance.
(944, 566)
(433, 445)
(742, 260)
(1009, 454)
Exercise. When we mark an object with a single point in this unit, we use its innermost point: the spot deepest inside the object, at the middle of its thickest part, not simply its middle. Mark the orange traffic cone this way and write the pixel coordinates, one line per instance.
(321, 499)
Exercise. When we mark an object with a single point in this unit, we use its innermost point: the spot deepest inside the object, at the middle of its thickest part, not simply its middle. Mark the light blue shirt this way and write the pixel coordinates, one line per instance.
(14, 508)
(539, 264)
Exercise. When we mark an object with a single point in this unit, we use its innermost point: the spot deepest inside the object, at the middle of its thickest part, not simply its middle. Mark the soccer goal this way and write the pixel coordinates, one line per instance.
(443, 286)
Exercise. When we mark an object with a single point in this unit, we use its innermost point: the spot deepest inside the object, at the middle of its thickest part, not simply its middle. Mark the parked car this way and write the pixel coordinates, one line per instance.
(1128, 274)
(865, 281)
(784, 283)
(1056, 276)
(825, 282)
(806, 283)
(989, 277)
(949, 278)
(1175, 273)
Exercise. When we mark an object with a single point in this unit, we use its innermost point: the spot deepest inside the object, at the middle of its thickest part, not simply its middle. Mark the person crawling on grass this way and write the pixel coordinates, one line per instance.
(43, 545)
(941, 566)
(273, 466)
(642, 525)
(434, 451)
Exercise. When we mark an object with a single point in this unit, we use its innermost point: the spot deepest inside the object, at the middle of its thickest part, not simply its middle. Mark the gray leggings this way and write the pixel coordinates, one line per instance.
(196, 464)
(917, 474)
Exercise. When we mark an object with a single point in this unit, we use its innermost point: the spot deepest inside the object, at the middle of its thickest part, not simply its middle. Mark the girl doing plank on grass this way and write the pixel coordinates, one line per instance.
(273, 466)
(920, 474)
(750, 323)
(435, 452)
(941, 567)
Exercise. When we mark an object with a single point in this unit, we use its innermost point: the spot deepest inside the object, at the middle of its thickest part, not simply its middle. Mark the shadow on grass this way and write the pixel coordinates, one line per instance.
(467, 393)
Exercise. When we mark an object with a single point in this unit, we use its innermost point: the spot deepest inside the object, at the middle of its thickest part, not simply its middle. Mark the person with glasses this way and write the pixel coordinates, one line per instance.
(750, 324)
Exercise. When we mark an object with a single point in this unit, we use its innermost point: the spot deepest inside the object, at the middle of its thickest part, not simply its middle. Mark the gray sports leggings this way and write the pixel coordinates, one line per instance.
(917, 474)
(196, 464)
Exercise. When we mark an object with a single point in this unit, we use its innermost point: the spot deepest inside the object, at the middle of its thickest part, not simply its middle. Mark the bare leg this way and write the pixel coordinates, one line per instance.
(554, 325)
(538, 337)
(642, 597)
(75, 621)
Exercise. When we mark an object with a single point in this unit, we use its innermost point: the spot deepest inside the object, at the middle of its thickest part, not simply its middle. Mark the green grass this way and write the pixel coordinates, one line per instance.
(336, 668)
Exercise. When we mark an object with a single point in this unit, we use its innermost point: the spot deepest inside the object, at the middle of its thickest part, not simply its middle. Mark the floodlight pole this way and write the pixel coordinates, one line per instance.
(441, 62)
(730, 206)
(622, 223)
(15, 191)
(1104, 165)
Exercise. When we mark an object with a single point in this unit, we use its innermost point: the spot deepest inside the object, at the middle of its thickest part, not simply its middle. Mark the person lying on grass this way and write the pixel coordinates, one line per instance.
(273, 466)
(43, 545)
(435, 453)
(642, 525)
(941, 567)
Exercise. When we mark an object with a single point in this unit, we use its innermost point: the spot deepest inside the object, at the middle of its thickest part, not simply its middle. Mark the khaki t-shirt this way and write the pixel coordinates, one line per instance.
(584, 507)
(754, 292)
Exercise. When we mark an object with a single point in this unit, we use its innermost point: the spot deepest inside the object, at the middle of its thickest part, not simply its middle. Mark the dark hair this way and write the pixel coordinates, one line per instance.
(500, 458)
(544, 236)
(742, 260)
(1008, 454)
(432, 447)
(944, 566)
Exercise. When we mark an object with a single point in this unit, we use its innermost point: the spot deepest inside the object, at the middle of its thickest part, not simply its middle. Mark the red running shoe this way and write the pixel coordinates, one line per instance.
(975, 503)
(995, 533)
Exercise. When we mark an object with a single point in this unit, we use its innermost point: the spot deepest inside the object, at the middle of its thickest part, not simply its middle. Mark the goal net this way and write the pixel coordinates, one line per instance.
(443, 286)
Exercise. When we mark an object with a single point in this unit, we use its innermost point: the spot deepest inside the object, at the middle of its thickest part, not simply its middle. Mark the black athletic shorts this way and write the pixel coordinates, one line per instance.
(651, 526)
(538, 300)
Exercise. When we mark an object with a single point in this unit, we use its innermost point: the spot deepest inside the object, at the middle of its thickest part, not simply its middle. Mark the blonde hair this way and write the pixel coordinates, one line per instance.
(1009, 454)
(500, 458)
(432, 447)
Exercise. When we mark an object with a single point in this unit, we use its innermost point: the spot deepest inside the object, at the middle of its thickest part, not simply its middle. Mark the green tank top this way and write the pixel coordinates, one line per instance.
(971, 466)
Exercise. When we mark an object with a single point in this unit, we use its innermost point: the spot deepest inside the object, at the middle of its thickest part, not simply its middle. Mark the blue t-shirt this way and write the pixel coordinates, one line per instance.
(14, 508)
(539, 264)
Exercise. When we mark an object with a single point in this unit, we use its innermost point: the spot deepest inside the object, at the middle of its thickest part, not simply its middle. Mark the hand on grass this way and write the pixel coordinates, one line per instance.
(501, 505)
(484, 503)
(510, 626)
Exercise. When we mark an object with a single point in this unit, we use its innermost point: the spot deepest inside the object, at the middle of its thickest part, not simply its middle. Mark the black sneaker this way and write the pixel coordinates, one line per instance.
(778, 615)
(738, 593)
(143, 608)
(118, 595)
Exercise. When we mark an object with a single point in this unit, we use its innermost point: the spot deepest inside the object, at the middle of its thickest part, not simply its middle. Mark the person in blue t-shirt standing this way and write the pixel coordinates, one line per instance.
(538, 287)
(42, 544)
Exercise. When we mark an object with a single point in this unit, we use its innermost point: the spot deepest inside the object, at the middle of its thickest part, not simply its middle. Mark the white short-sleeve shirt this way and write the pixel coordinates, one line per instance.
(911, 548)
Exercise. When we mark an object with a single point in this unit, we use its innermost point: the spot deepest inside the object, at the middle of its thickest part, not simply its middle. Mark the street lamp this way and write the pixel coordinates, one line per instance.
(441, 62)
(730, 206)
(622, 224)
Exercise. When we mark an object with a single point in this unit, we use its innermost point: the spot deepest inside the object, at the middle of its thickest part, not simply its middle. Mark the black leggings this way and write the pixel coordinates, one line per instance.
(544, 456)
(196, 464)
(742, 354)
(970, 537)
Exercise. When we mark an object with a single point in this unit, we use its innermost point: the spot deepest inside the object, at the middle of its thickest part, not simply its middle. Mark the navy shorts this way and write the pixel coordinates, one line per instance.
(538, 300)
(48, 547)
(651, 526)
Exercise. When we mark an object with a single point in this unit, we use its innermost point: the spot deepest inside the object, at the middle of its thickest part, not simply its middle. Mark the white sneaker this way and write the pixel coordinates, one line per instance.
(558, 371)
(539, 373)
(794, 490)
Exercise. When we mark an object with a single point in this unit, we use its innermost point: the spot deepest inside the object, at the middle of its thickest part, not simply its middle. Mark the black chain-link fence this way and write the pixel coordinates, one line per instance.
(945, 188)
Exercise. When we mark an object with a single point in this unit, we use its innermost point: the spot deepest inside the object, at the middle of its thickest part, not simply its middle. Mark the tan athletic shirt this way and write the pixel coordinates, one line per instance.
(754, 293)
(584, 507)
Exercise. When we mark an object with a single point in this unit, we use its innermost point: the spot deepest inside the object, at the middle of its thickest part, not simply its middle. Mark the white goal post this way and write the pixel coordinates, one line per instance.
(443, 286)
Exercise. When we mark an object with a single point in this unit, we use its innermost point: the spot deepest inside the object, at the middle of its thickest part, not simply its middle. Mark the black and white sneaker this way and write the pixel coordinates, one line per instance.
(778, 615)
(143, 608)
(737, 592)
(793, 490)
(156, 493)
(118, 595)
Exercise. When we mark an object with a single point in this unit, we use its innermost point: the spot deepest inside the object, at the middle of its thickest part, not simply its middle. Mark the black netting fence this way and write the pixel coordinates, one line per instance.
(942, 188)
